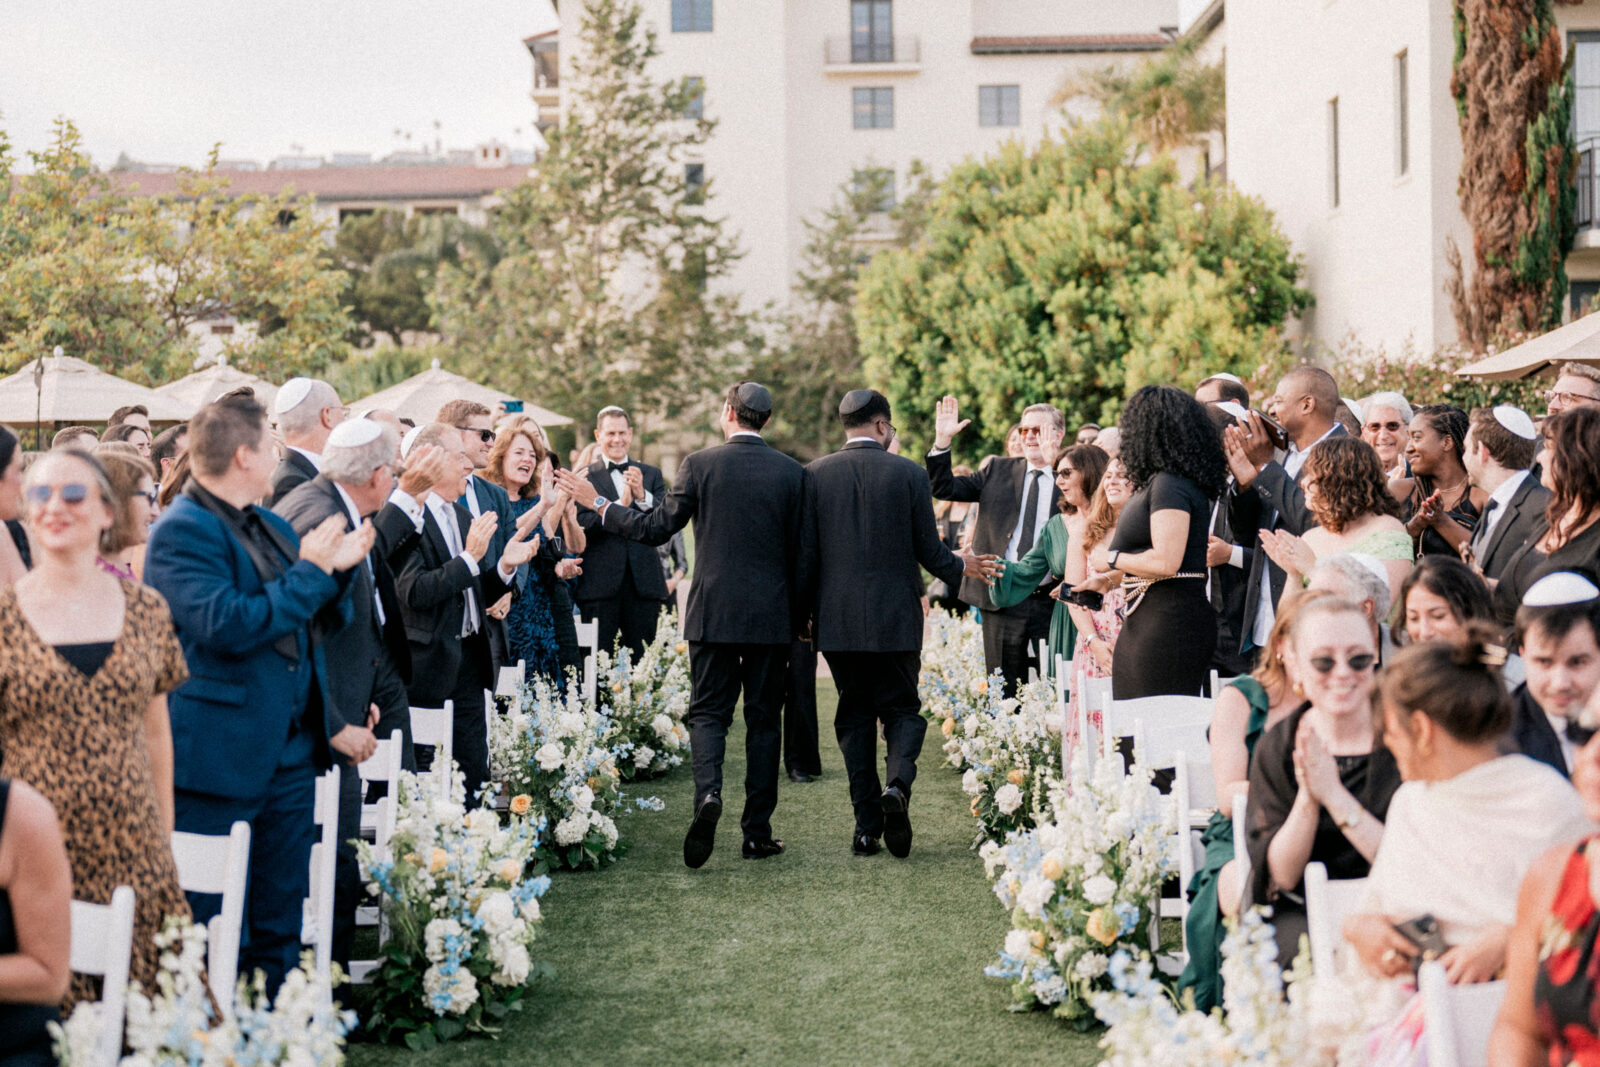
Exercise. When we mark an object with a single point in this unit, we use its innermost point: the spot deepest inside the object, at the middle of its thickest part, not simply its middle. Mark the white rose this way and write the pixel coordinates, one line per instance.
(569, 724)
(1118, 825)
(1092, 965)
(1099, 890)
(1036, 893)
(969, 783)
(570, 831)
(549, 756)
(481, 822)
(663, 726)
(530, 910)
(514, 966)
(642, 756)
(1019, 944)
(497, 912)
(583, 799)
(1008, 798)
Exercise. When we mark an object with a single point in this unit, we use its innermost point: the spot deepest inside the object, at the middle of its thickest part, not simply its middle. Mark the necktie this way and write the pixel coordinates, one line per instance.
(452, 537)
(1030, 513)
(469, 499)
(1480, 536)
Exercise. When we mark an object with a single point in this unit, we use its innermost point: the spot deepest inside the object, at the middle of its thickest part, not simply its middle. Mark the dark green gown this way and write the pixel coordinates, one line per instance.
(1203, 925)
(1048, 556)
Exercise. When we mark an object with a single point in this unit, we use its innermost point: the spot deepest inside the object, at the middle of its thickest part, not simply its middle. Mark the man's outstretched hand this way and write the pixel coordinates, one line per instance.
(986, 567)
(947, 422)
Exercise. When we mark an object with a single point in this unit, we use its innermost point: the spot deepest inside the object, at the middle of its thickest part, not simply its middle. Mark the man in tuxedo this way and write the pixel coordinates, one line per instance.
(1266, 494)
(1015, 498)
(308, 409)
(1558, 635)
(802, 758)
(744, 499)
(475, 423)
(622, 587)
(1499, 449)
(257, 718)
(444, 587)
(370, 651)
(1227, 561)
(867, 532)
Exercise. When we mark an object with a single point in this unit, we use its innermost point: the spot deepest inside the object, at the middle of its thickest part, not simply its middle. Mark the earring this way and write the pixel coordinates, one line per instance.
(1299, 690)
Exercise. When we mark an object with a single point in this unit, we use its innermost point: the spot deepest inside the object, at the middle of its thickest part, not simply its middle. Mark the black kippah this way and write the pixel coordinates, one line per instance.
(855, 400)
(755, 397)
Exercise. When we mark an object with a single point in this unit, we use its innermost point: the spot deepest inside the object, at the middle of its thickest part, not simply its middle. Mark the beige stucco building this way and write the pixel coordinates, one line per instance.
(808, 92)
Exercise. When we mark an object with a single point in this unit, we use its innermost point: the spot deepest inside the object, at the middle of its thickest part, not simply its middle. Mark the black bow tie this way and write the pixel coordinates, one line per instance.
(624, 465)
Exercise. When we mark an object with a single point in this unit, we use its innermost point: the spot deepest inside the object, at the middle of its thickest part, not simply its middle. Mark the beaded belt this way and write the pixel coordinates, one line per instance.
(1134, 589)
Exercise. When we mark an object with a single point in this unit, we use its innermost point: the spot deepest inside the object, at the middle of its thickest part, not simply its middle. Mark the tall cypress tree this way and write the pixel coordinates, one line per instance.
(1513, 90)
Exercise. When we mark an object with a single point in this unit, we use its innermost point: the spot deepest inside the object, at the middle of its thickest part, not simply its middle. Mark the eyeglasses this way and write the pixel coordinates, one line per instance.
(1029, 431)
(148, 494)
(72, 493)
(486, 436)
(1063, 473)
(1564, 398)
(1359, 662)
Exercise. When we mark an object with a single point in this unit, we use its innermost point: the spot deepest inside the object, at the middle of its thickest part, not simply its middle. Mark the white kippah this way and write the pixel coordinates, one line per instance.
(1355, 408)
(1562, 587)
(1372, 563)
(1224, 376)
(409, 440)
(293, 393)
(1516, 420)
(353, 433)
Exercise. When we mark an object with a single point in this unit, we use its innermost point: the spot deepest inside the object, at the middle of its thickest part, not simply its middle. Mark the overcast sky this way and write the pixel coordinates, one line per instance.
(162, 80)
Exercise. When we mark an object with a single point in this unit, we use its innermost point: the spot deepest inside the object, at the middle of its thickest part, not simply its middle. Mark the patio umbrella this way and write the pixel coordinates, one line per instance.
(420, 397)
(1576, 342)
(65, 389)
(195, 391)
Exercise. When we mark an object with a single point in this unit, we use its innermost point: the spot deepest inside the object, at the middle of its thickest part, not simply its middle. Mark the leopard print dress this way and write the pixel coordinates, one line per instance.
(80, 741)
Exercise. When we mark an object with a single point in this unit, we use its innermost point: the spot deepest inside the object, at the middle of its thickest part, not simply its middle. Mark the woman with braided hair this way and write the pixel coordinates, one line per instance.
(1438, 504)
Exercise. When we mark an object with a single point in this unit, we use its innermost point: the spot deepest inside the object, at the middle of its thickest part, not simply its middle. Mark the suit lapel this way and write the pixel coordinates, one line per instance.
(1507, 520)
(600, 478)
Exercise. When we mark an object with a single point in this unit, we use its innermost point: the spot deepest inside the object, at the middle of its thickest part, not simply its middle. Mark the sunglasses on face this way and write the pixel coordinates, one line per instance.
(1028, 431)
(148, 494)
(485, 436)
(71, 493)
(1359, 662)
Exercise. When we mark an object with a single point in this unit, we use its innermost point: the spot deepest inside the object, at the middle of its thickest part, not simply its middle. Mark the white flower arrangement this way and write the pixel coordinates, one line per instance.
(553, 750)
(1081, 887)
(953, 685)
(1012, 752)
(1264, 1018)
(462, 912)
(177, 1026)
(646, 702)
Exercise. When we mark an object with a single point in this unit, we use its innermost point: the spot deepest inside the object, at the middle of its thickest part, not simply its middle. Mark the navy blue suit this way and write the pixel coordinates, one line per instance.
(248, 730)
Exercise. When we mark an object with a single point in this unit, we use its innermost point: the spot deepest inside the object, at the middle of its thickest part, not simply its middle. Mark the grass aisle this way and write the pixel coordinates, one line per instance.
(813, 957)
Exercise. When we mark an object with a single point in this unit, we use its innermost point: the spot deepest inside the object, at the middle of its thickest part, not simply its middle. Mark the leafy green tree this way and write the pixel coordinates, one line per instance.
(1167, 101)
(1066, 274)
(606, 289)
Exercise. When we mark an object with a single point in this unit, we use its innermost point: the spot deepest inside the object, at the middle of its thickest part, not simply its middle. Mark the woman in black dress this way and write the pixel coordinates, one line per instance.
(1437, 504)
(1172, 452)
(1570, 535)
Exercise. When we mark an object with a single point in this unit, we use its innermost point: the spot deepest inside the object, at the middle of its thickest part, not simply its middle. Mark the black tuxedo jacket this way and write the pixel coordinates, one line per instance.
(293, 471)
(1523, 519)
(432, 584)
(744, 498)
(609, 558)
(997, 490)
(370, 664)
(1229, 588)
(1532, 732)
(866, 529)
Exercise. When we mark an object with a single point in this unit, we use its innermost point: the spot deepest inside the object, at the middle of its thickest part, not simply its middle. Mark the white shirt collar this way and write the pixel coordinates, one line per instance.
(438, 503)
(746, 433)
(1507, 489)
(1330, 432)
(349, 504)
(314, 457)
(853, 440)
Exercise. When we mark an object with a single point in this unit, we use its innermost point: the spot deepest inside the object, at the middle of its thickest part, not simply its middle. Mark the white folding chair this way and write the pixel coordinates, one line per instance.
(435, 728)
(1328, 902)
(102, 946)
(1161, 713)
(1040, 656)
(589, 638)
(316, 919)
(220, 865)
(382, 766)
(1091, 693)
(1457, 1019)
(509, 684)
(1241, 845)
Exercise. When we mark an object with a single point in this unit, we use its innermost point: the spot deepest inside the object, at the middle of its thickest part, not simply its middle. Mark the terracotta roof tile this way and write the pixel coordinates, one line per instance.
(348, 183)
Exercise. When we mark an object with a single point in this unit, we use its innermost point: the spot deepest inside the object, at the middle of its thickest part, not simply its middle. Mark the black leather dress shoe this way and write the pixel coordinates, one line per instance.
(896, 823)
(801, 776)
(865, 845)
(760, 850)
(702, 835)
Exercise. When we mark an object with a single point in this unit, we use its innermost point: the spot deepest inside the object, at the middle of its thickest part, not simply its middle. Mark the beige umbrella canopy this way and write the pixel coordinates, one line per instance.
(420, 397)
(195, 391)
(1576, 342)
(72, 391)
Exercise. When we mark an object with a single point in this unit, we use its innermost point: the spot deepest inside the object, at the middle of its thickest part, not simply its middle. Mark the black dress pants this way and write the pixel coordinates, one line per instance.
(469, 733)
(626, 615)
(800, 752)
(877, 687)
(1011, 635)
(718, 673)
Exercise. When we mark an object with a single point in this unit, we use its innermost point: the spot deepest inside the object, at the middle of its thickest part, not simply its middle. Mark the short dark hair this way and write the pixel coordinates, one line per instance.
(1556, 621)
(1228, 389)
(65, 436)
(165, 446)
(876, 407)
(750, 420)
(123, 412)
(1512, 451)
(221, 428)
(1452, 581)
(121, 431)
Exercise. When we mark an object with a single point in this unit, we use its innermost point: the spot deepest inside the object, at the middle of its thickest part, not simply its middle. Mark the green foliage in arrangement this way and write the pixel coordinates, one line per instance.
(118, 279)
(1069, 274)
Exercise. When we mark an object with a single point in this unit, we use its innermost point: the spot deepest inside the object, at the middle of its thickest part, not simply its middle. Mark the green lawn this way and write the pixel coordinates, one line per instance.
(813, 957)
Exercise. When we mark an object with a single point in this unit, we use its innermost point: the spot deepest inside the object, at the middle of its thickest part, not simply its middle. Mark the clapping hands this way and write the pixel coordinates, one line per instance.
(1288, 551)
(330, 547)
(1248, 448)
(576, 487)
(480, 534)
(1314, 767)
(520, 549)
(425, 469)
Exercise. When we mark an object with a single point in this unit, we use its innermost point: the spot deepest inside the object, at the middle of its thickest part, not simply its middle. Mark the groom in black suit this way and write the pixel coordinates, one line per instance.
(744, 499)
(867, 533)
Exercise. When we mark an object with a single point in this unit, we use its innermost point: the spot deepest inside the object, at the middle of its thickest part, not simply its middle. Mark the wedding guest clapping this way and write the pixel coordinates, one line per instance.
(1438, 502)
(1385, 422)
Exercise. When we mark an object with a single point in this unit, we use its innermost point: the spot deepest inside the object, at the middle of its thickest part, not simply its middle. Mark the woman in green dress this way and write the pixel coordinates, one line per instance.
(1078, 469)
(1245, 708)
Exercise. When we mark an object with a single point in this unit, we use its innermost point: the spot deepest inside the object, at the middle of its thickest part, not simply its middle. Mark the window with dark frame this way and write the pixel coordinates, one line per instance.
(1402, 116)
(1586, 119)
(871, 31)
(873, 109)
(694, 183)
(1333, 152)
(999, 105)
(691, 16)
(697, 103)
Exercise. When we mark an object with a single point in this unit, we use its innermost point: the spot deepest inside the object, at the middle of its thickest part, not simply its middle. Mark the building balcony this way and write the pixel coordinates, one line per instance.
(899, 54)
